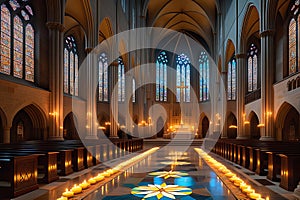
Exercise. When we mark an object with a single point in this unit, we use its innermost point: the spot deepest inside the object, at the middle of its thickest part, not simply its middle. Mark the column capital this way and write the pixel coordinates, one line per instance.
(266, 33)
(55, 26)
(240, 56)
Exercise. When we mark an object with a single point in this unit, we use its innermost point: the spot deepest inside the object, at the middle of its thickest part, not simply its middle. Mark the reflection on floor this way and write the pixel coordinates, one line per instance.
(194, 178)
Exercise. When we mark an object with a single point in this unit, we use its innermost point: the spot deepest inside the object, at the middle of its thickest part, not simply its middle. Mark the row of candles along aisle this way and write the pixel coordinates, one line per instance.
(238, 182)
(77, 189)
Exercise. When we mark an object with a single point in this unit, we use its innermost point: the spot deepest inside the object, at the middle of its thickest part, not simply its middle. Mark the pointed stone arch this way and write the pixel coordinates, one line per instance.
(203, 127)
(253, 126)
(3, 123)
(105, 30)
(230, 51)
(250, 27)
(70, 127)
(231, 126)
(287, 123)
(29, 123)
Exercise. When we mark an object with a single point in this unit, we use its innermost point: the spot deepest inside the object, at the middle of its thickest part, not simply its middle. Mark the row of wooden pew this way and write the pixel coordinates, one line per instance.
(279, 161)
(23, 166)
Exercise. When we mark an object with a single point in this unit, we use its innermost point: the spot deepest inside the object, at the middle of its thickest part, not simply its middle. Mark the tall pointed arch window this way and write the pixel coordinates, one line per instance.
(70, 66)
(252, 68)
(121, 80)
(161, 77)
(231, 79)
(17, 40)
(293, 36)
(133, 91)
(204, 77)
(103, 78)
(183, 78)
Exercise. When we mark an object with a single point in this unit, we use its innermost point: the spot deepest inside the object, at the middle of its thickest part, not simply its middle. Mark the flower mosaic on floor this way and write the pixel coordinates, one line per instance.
(184, 181)
(160, 191)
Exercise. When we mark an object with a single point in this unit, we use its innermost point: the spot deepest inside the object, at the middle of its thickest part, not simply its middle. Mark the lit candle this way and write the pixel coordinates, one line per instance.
(84, 185)
(248, 190)
(62, 198)
(76, 189)
(106, 174)
(230, 174)
(238, 182)
(92, 181)
(99, 178)
(254, 195)
(68, 193)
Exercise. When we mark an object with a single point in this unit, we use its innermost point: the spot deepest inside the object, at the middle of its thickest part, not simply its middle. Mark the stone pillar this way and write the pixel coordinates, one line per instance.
(56, 74)
(6, 136)
(240, 101)
(114, 102)
(91, 107)
(267, 66)
(224, 107)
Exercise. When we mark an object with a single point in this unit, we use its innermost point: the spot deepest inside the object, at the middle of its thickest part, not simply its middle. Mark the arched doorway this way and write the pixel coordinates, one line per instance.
(28, 124)
(254, 130)
(70, 131)
(290, 131)
(231, 128)
(205, 126)
(160, 127)
(1, 130)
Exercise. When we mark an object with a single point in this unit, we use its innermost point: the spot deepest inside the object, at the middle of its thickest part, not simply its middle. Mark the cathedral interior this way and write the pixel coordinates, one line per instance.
(149, 99)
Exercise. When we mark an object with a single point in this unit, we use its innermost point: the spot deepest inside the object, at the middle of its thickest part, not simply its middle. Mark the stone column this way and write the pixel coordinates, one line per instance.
(6, 136)
(240, 101)
(56, 74)
(114, 102)
(224, 110)
(267, 67)
(91, 107)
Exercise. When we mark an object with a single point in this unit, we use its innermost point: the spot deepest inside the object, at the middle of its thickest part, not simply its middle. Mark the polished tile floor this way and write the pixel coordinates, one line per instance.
(200, 179)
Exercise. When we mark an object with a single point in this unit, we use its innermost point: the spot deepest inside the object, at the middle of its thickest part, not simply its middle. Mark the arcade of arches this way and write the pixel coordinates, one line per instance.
(253, 47)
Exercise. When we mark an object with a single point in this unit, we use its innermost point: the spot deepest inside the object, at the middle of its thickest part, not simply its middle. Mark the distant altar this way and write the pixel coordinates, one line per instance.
(183, 132)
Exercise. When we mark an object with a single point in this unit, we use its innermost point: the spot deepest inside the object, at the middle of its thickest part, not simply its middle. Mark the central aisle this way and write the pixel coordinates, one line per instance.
(195, 177)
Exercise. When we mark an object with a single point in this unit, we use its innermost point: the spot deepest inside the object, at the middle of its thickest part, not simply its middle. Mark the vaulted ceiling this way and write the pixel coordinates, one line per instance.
(196, 18)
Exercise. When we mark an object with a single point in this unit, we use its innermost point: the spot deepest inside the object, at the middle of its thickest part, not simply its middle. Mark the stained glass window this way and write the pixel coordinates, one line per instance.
(29, 55)
(204, 77)
(161, 77)
(294, 38)
(252, 68)
(133, 91)
(183, 82)
(18, 47)
(5, 40)
(103, 77)
(17, 33)
(231, 80)
(121, 80)
(70, 66)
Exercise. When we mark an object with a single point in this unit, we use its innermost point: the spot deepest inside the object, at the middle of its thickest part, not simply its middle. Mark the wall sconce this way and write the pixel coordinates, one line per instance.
(233, 126)
(260, 125)
(246, 122)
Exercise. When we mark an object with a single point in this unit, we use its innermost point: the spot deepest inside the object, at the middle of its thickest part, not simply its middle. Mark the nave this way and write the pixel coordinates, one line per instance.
(152, 172)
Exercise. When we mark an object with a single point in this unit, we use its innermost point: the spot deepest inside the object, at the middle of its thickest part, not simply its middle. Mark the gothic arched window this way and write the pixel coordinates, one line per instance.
(161, 77)
(133, 91)
(183, 78)
(252, 68)
(204, 77)
(70, 66)
(294, 26)
(17, 40)
(103, 77)
(121, 80)
(231, 79)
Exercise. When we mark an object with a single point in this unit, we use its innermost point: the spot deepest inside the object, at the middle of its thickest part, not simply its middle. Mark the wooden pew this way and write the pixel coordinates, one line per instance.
(290, 173)
(18, 175)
